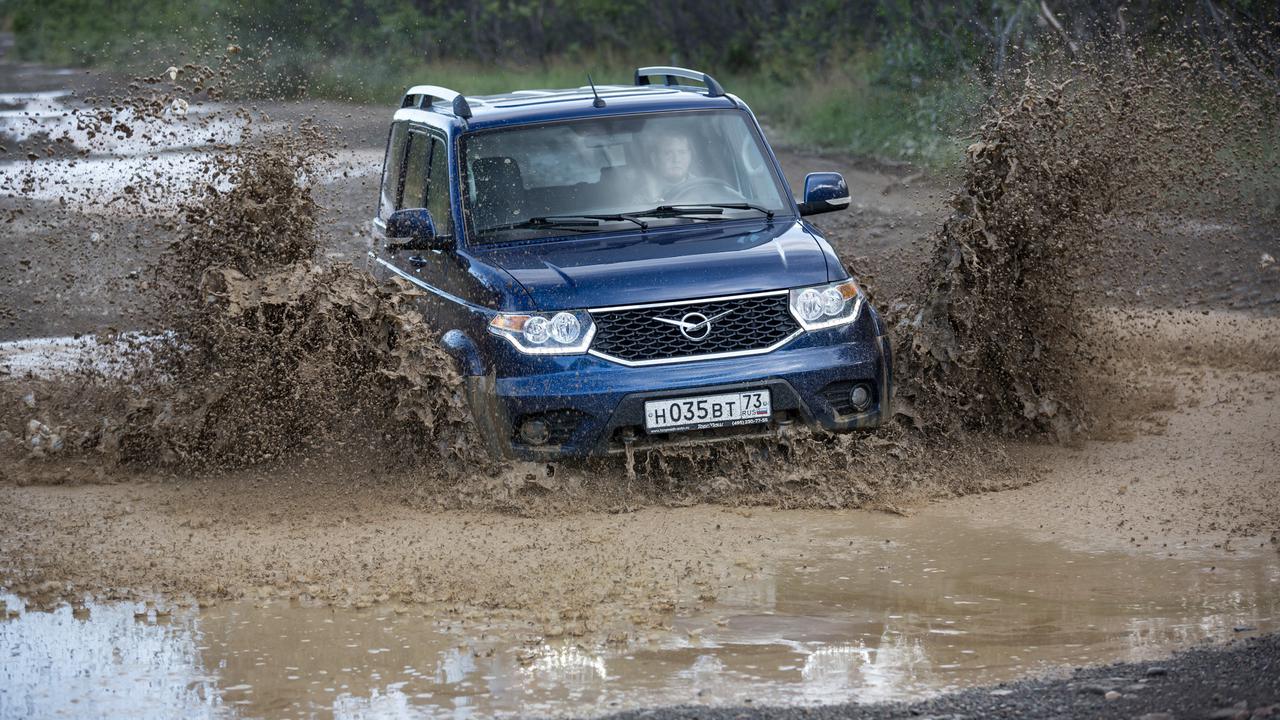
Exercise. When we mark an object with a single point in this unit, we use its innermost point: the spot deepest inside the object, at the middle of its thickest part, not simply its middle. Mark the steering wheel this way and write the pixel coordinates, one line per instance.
(686, 190)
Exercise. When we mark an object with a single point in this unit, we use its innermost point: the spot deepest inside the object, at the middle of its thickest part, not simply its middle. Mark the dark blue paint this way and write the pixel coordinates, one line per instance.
(468, 284)
(413, 226)
(824, 187)
(460, 346)
(824, 192)
(685, 261)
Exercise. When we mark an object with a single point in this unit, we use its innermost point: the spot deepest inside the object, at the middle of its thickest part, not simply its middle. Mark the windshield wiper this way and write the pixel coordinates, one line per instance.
(692, 209)
(548, 223)
(618, 217)
(743, 206)
(579, 223)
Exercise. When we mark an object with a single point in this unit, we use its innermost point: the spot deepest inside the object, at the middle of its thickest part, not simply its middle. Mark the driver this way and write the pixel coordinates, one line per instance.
(669, 161)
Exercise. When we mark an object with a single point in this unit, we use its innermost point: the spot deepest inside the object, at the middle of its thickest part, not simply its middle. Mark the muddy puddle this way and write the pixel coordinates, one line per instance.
(869, 608)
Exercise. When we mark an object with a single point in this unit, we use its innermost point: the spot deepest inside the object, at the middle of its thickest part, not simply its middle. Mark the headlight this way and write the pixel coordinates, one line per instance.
(563, 333)
(826, 306)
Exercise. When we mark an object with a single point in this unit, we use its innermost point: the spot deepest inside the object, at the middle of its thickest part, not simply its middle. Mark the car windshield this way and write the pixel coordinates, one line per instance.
(604, 174)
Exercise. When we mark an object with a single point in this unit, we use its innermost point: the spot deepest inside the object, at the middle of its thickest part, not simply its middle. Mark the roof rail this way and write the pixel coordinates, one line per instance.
(670, 74)
(422, 96)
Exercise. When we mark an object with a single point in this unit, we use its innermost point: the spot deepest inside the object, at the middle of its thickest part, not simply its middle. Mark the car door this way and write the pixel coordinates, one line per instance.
(424, 183)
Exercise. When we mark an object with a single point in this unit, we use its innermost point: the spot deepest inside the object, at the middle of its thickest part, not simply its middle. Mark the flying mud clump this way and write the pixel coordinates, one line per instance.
(992, 341)
(1068, 183)
(270, 352)
(253, 351)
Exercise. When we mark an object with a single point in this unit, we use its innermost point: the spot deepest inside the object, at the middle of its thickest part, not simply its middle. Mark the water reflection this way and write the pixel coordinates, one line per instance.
(105, 663)
(864, 609)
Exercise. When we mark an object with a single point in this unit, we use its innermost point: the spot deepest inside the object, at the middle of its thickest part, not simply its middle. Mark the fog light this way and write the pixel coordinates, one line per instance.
(860, 396)
(534, 432)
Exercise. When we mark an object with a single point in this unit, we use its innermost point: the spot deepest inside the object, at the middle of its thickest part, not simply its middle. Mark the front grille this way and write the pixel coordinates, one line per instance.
(635, 335)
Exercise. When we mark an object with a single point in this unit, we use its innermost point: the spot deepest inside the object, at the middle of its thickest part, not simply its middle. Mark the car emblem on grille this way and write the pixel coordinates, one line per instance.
(694, 325)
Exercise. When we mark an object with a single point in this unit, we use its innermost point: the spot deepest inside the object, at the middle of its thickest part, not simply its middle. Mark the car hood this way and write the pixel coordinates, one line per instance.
(668, 264)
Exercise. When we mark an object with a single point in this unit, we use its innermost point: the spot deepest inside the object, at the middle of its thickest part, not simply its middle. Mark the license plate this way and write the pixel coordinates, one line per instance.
(707, 411)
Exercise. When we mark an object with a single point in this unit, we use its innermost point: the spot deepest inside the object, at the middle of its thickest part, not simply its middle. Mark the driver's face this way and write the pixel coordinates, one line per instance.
(672, 157)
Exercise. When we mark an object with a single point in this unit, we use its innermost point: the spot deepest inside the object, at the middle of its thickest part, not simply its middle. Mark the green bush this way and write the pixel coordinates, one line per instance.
(892, 79)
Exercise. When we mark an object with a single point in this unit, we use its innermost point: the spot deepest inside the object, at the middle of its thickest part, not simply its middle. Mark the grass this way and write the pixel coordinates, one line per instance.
(850, 110)
(855, 107)
(847, 110)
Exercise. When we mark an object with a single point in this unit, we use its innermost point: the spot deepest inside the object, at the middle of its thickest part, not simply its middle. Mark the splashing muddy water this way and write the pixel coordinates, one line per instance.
(1069, 177)
(868, 608)
(266, 350)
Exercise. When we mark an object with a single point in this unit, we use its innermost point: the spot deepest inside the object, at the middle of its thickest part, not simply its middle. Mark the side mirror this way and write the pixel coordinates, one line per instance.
(413, 229)
(824, 192)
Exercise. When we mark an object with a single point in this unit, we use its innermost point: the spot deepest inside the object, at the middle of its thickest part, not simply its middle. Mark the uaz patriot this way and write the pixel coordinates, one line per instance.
(625, 265)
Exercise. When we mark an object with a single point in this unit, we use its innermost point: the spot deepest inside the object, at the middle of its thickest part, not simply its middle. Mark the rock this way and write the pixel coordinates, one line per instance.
(36, 429)
(1155, 716)
(1111, 695)
(1094, 689)
(1244, 628)
(29, 400)
(1156, 672)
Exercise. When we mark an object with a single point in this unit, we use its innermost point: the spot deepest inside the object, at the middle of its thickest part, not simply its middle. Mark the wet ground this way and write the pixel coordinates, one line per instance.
(868, 608)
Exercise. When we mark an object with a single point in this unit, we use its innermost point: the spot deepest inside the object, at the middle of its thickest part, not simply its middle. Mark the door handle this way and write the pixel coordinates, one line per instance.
(417, 261)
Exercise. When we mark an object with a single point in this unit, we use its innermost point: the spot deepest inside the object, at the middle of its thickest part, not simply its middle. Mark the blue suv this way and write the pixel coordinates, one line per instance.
(621, 267)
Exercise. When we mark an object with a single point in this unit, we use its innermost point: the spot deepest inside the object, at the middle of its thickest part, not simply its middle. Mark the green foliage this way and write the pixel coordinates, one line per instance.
(888, 78)
(852, 109)
(85, 32)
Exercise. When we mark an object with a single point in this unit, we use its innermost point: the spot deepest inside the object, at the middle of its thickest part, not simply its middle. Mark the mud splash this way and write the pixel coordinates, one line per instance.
(272, 352)
(269, 350)
(1070, 179)
(264, 349)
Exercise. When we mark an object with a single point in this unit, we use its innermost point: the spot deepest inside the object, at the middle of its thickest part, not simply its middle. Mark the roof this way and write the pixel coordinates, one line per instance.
(525, 106)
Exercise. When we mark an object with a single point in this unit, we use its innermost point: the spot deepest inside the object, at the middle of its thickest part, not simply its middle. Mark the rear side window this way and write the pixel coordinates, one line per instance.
(438, 188)
(415, 171)
(391, 167)
(426, 179)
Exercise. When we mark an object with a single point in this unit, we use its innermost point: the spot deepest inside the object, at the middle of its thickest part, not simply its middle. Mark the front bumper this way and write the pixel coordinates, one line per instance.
(591, 406)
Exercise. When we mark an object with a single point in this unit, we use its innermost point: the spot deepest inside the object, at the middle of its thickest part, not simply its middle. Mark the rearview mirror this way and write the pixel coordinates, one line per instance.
(413, 229)
(824, 192)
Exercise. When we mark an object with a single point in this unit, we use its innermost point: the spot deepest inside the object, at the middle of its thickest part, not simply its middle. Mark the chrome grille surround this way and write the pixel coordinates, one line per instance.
(757, 323)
